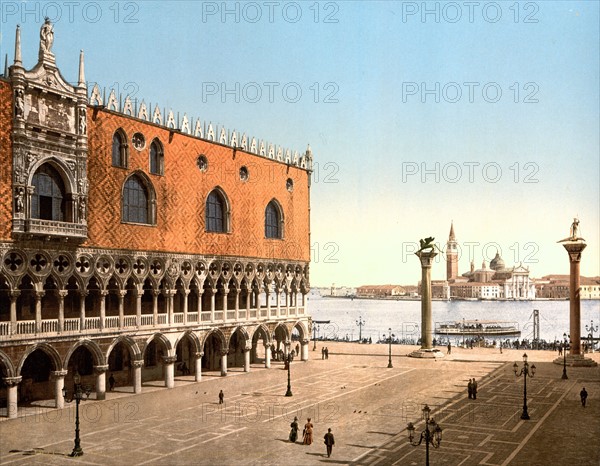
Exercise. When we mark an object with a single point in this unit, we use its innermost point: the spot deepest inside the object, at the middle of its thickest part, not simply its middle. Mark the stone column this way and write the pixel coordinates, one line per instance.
(13, 311)
(186, 293)
(59, 383)
(38, 310)
(213, 292)
(170, 294)
(61, 309)
(82, 296)
(100, 382)
(247, 359)
(224, 362)
(237, 303)
(12, 384)
(267, 355)
(121, 296)
(155, 294)
(225, 293)
(137, 375)
(304, 349)
(138, 305)
(103, 295)
(426, 351)
(574, 249)
(169, 363)
(278, 300)
(198, 363)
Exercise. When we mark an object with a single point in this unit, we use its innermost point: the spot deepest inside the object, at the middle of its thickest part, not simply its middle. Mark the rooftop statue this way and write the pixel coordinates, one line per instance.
(574, 232)
(46, 36)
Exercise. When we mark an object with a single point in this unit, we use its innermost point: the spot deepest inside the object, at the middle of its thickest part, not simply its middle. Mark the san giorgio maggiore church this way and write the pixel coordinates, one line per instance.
(137, 244)
(496, 281)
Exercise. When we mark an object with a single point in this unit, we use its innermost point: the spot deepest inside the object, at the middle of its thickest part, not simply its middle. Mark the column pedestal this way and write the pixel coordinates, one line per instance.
(100, 382)
(169, 363)
(198, 363)
(137, 376)
(12, 384)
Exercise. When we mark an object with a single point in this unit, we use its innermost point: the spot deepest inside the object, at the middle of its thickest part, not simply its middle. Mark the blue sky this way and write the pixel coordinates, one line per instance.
(499, 105)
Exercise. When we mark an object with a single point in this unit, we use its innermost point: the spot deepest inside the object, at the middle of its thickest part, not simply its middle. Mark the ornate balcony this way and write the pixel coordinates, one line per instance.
(50, 228)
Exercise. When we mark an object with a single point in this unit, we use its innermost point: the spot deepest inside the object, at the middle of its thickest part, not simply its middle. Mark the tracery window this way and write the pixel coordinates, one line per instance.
(48, 201)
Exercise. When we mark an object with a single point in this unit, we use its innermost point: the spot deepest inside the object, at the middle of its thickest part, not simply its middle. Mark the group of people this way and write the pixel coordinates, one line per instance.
(307, 435)
(325, 353)
(472, 389)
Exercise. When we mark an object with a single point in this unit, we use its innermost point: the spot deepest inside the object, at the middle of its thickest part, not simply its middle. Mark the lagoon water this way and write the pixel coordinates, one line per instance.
(404, 317)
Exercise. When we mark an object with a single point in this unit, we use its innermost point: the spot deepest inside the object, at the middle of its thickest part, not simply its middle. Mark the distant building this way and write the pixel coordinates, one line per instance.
(379, 291)
(341, 291)
(502, 282)
(439, 289)
(557, 287)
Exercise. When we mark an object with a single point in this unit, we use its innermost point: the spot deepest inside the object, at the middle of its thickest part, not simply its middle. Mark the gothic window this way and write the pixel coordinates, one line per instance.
(156, 158)
(217, 212)
(138, 201)
(119, 150)
(48, 201)
(273, 220)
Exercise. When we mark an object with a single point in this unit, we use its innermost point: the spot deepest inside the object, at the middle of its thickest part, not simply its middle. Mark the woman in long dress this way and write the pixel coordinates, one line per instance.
(308, 433)
(294, 431)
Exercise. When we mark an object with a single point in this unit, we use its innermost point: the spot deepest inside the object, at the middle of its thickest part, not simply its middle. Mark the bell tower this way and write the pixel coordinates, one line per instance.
(451, 256)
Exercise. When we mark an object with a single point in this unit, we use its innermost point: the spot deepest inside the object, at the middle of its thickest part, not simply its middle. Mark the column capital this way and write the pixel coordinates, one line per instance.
(137, 363)
(62, 293)
(122, 293)
(101, 369)
(83, 293)
(39, 294)
(426, 258)
(104, 293)
(59, 373)
(14, 294)
(305, 341)
(225, 352)
(169, 359)
(12, 381)
(199, 355)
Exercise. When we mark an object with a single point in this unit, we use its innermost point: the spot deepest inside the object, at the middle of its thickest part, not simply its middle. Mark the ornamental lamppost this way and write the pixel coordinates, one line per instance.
(77, 395)
(289, 358)
(565, 345)
(591, 329)
(391, 335)
(360, 324)
(315, 328)
(525, 371)
(433, 435)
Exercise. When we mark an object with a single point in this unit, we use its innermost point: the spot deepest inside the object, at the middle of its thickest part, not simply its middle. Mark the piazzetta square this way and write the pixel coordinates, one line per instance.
(224, 233)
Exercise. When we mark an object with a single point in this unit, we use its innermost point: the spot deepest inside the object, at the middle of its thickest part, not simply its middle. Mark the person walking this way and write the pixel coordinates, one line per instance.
(583, 394)
(470, 389)
(449, 348)
(294, 431)
(221, 397)
(474, 389)
(111, 382)
(307, 433)
(323, 353)
(326, 353)
(329, 442)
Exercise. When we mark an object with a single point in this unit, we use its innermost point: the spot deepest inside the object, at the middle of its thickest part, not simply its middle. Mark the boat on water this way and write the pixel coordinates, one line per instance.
(477, 327)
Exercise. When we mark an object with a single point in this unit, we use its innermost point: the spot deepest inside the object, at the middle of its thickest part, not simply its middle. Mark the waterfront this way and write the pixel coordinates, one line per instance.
(404, 317)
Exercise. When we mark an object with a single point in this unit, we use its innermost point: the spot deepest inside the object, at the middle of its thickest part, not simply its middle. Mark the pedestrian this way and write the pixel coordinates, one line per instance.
(294, 431)
(326, 353)
(449, 348)
(323, 353)
(560, 349)
(583, 394)
(307, 433)
(111, 382)
(329, 441)
(297, 348)
(474, 389)
(221, 397)
(470, 389)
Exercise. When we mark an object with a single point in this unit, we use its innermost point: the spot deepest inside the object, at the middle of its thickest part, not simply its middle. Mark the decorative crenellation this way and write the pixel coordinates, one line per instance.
(199, 129)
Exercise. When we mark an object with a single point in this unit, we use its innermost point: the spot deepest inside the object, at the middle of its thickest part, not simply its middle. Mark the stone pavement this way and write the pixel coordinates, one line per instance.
(366, 404)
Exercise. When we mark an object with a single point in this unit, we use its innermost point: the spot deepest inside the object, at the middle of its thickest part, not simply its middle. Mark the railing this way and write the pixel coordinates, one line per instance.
(130, 321)
(92, 324)
(71, 325)
(147, 319)
(26, 326)
(49, 325)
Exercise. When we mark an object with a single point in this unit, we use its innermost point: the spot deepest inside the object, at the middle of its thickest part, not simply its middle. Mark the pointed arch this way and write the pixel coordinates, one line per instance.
(138, 200)
(120, 149)
(157, 159)
(217, 211)
(46, 348)
(129, 343)
(92, 346)
(274, 220)
(7, 364)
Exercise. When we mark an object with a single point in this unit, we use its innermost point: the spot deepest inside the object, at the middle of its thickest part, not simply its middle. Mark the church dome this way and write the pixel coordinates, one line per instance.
(497, 262)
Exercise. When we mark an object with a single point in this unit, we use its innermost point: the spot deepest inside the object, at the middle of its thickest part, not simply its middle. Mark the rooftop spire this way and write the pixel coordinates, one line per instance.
(452, 237)
(81, 70)
(18, 46)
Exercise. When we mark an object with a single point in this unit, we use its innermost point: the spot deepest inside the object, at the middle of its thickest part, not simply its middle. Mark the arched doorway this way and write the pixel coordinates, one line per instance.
(154, 353)
(211, 361)
(36, 382)
(237, 345)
